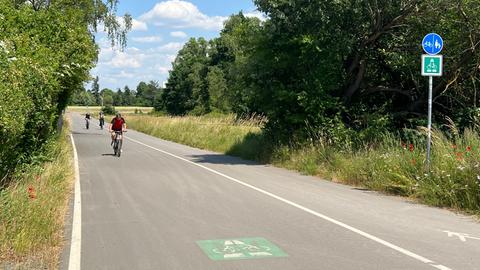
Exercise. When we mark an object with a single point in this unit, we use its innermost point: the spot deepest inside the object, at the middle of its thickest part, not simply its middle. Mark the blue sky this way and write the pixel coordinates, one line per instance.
(160, 29)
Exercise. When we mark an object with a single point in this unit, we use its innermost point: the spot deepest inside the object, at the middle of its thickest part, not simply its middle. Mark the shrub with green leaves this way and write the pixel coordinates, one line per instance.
(46, 52)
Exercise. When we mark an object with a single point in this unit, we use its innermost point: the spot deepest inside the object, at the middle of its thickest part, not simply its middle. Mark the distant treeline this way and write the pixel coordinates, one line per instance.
(332, 69)
(145, 94)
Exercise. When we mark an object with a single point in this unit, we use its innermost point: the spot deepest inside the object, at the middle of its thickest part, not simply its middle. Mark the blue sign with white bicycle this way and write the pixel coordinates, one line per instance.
(432, 44)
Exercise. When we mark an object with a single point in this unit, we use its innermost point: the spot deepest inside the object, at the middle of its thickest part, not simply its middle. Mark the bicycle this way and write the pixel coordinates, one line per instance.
(102, 123)
(117, 143)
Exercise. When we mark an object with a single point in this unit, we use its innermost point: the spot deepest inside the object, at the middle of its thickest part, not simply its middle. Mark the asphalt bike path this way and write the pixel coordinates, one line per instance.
(162, 205)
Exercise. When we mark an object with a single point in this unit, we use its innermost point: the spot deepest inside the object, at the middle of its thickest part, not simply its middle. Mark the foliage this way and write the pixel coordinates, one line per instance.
(46, 52)
(312, 76)
(146, 95)
(186, 87)
(108, 109)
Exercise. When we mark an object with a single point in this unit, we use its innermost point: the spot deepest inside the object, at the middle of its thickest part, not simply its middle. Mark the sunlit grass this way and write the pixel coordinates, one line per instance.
(208, 132)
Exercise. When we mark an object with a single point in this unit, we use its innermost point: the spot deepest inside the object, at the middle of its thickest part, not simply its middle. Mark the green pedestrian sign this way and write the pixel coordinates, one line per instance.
(432, 65)
(240, 249)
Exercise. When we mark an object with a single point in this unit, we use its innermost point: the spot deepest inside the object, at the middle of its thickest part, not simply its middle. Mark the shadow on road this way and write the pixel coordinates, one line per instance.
(87, 133)
(104, 155)
(221, 159)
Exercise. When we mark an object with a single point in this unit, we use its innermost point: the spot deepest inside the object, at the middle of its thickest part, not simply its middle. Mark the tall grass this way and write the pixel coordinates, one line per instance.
(33, 207)
(396, 167)
(214, 133)
(387, 165)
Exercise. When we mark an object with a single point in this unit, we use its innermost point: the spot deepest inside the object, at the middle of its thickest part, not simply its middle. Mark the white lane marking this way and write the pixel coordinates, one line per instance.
(76, 241)
(462, 236)
(334, 221)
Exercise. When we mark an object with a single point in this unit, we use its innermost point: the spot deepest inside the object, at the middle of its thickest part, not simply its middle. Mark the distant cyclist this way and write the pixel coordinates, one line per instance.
(87, 120)
(101, 117)
(117, 124)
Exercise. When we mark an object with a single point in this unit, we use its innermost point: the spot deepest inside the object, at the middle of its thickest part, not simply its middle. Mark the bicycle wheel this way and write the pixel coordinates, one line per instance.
(119, 148)
(115, 147)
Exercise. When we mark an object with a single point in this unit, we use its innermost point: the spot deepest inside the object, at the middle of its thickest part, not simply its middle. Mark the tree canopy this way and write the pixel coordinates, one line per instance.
(47, 50)
(334, 68)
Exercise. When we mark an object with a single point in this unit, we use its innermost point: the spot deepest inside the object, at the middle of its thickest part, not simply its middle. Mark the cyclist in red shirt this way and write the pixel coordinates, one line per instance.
(118, 124)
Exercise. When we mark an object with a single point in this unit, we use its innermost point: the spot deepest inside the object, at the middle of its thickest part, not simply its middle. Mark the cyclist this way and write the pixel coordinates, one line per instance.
(87, 120)
(117, 125)
(101, 117)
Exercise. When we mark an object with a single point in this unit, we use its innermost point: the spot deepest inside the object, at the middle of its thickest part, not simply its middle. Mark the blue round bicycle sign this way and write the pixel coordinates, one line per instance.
(432, 44)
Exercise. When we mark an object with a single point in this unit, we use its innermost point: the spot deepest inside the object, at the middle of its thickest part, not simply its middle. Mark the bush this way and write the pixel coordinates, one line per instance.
(109, 109)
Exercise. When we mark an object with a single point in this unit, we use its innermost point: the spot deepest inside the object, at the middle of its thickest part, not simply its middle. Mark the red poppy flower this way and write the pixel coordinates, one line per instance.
(411, 148)
(469, 149)
(31, 192)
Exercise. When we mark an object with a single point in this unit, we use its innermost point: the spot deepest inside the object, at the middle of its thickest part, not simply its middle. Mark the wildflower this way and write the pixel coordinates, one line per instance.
(404, 146)
(469, 149)
(11, 59)
(459, 156)
(461, 168)
(411, 148)
(478, 177)
(448, 175)
(31, 192)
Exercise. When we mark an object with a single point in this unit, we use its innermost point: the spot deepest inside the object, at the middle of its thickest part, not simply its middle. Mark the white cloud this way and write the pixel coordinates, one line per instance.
(181, 14)
(172, 47)
(256, 14)
(148, 39)
(117, 69)
(178, 34)
(125, 60)
(139, 25)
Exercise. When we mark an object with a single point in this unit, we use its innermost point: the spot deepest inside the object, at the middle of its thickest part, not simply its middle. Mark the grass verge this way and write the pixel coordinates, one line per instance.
(390, 165)
(33, 207)
(213, 133)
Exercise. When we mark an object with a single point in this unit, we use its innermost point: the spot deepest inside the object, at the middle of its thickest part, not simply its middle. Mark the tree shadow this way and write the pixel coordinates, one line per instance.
(222, 159)
(254, 146)
(254, 149)
(87, 133)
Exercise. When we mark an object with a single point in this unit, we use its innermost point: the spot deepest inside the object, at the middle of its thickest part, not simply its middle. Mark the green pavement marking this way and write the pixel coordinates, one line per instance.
(240, 249)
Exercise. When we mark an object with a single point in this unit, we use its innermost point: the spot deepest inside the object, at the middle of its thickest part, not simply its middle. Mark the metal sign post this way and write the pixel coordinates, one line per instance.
(432, 66)
(430, 103)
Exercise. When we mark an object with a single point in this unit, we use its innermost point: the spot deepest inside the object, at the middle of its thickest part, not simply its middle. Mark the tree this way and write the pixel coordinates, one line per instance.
(118, 99)
(96, 91)
(46, 52)
(217, 89)
(186, 89)
(128, 96)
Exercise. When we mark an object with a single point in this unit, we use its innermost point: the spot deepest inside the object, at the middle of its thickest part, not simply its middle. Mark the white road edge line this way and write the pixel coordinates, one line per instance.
(76, 239)
(298, 206)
